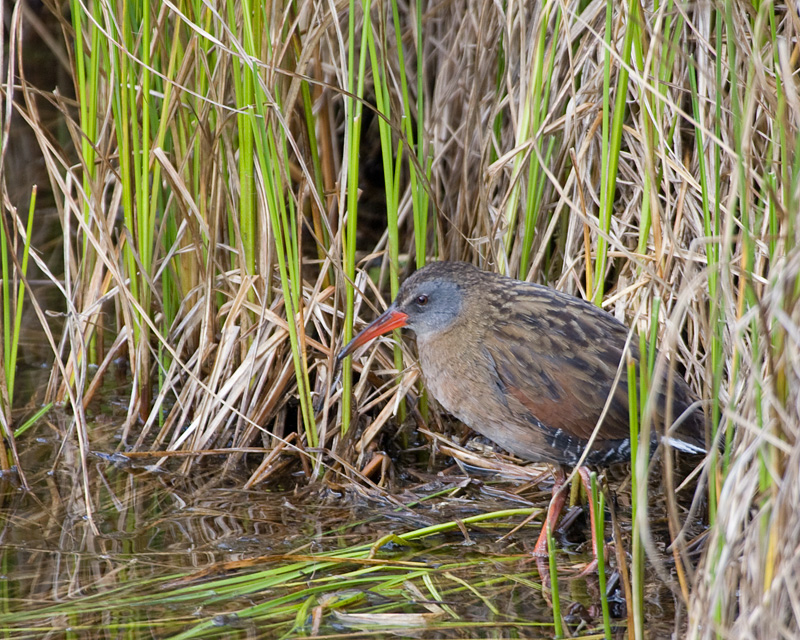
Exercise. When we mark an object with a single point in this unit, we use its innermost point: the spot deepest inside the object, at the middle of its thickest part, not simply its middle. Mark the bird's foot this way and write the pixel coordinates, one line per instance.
(592, 566)
(589, 569)
(540, 550)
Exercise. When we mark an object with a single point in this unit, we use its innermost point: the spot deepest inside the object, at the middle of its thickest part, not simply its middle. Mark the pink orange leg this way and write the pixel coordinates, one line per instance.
(587, 484)
(557, 503)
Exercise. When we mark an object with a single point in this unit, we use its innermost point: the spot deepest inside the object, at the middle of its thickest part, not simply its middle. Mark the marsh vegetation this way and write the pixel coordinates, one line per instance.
(203, 200)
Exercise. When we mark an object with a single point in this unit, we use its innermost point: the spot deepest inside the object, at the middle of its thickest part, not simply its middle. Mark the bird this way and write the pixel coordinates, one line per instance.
(532, 369)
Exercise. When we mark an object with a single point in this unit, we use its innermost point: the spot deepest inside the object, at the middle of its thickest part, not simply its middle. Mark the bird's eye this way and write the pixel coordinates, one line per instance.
(422, 300)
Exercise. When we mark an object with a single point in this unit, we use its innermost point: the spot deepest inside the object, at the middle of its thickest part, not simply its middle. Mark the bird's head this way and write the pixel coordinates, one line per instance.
(428, 302)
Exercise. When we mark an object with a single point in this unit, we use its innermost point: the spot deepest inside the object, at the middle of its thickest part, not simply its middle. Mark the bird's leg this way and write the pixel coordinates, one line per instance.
(557, 503)
(586, 479)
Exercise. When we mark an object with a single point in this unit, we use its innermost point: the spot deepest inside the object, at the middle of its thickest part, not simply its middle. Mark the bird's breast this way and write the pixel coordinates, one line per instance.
(452, 377)
(466, 385)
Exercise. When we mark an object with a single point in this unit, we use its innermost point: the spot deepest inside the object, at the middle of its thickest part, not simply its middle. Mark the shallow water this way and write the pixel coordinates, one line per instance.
(161, 554)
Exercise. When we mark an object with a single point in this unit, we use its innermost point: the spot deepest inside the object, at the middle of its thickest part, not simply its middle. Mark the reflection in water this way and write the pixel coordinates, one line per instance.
(158, 553)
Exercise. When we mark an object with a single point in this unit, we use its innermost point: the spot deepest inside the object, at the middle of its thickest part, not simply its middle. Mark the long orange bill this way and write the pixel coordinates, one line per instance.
(388, 320)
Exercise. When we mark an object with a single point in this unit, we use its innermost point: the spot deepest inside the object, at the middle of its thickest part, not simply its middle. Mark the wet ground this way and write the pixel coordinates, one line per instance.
(160, 554)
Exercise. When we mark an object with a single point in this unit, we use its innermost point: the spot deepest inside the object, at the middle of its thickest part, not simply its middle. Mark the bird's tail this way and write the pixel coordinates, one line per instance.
(687, 432)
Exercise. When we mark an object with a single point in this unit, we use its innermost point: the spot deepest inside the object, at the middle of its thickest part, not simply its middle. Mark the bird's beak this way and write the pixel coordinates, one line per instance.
(390, 319)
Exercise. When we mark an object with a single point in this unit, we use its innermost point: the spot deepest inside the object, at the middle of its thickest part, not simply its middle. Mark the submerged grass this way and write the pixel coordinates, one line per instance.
(235, 183)
(444, 578)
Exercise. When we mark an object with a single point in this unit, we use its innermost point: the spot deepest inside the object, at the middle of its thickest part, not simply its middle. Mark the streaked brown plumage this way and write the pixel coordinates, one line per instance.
(526, 366)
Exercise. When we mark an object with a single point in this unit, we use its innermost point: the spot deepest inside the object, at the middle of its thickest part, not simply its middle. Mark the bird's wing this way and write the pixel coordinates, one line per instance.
(557, 358)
